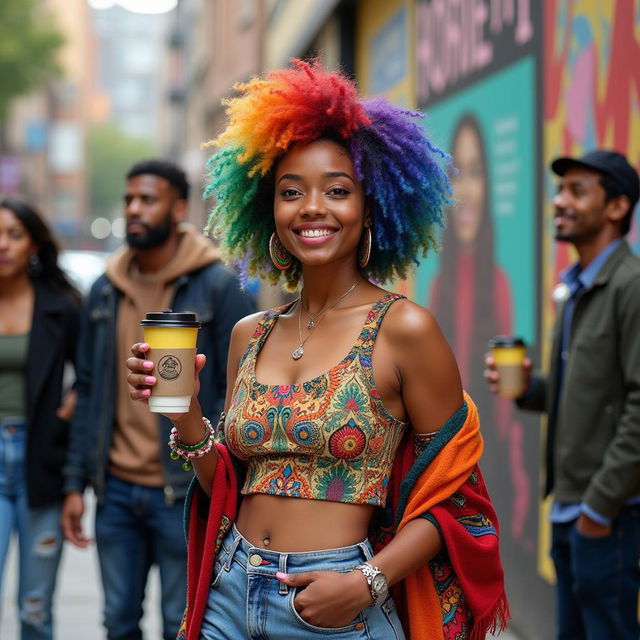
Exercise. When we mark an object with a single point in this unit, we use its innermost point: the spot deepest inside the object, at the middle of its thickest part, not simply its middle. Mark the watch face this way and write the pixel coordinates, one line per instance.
(379, 583)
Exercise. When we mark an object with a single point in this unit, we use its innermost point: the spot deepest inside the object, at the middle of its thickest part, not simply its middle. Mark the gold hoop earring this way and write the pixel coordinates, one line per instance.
(364, 249)
(280, 257)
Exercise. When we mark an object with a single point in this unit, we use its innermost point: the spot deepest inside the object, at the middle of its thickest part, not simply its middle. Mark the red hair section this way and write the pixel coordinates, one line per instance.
(289, 106)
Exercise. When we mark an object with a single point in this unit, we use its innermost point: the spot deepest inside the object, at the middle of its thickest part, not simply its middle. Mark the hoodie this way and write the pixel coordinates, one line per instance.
(134, 454)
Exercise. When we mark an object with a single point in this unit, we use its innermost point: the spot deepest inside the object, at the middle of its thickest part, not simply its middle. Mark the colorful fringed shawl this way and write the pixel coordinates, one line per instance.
(459, 595)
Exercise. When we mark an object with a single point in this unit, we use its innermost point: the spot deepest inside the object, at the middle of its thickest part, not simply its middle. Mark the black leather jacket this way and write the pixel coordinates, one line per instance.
(52, 346)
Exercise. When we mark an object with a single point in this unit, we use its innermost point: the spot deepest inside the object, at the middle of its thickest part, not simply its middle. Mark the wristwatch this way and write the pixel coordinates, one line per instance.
(377, 581)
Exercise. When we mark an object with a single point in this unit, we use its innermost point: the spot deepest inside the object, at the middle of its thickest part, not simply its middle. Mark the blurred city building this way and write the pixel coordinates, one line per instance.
(45, 159)
(131, 50)
(211, 45)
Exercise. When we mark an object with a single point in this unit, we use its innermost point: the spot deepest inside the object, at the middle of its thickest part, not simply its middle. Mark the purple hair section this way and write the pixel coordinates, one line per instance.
(405, 179)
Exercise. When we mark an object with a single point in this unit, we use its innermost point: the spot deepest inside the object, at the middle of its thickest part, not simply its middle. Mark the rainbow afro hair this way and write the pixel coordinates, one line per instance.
(404, 176)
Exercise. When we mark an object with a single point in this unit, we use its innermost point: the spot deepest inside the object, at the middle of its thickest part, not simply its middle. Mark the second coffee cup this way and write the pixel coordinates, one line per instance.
(172, 349)
(509, 353)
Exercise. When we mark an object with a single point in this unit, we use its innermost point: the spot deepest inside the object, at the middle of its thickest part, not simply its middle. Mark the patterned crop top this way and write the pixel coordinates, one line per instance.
(330, 438)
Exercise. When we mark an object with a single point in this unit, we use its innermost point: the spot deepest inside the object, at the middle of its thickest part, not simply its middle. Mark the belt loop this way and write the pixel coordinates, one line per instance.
(366, 551)
(232, 552)
(282, 567)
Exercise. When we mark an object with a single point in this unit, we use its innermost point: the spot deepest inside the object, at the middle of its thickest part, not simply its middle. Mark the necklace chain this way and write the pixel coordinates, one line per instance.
(314, 321)
(298, 352)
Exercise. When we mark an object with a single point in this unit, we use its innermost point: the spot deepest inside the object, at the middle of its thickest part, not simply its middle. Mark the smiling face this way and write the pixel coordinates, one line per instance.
(469, 186)
(16, 245)
(580, 207)
(319, 204)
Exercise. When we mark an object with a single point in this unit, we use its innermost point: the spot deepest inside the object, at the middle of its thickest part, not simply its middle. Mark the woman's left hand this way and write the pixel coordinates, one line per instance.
(328, 599)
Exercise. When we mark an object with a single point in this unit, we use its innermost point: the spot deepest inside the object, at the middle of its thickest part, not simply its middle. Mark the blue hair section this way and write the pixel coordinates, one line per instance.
(406, 182)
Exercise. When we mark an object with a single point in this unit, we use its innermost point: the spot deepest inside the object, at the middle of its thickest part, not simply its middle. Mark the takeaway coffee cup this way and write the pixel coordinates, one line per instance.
(172, 349)
(509, 353)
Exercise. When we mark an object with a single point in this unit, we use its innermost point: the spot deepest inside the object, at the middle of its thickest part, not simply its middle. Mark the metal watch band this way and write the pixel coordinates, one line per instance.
(370, 572)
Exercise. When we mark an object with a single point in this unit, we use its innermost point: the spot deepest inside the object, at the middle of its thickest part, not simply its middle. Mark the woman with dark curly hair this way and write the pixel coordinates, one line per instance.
(332, 194)
(39, 313)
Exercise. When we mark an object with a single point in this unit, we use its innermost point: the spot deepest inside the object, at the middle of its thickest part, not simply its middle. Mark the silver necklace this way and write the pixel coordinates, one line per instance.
(314, 321)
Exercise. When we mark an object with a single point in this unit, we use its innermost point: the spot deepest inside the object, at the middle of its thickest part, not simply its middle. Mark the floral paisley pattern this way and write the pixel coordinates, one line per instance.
(329, 438)
(455, 612)
(337, 483)
(347, 442)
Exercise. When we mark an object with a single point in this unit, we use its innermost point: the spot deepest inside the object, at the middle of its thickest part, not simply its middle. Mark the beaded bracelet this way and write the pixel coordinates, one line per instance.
(180, 449)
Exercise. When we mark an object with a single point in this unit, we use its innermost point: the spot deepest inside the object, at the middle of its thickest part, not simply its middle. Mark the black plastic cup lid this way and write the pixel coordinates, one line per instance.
(183, 320)
(506, 341)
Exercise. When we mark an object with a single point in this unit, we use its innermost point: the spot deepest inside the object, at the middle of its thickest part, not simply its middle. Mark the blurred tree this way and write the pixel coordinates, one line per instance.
(28, 44)
(111, 152)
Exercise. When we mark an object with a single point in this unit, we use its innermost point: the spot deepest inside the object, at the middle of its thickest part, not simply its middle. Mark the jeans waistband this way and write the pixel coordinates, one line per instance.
(13, 424)
(267, 560)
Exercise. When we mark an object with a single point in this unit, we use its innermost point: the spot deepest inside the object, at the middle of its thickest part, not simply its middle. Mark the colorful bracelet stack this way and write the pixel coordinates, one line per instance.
(189, 451)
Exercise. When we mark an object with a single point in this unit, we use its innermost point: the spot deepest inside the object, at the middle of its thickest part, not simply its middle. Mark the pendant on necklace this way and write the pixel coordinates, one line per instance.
(311, 324)
(297, 353)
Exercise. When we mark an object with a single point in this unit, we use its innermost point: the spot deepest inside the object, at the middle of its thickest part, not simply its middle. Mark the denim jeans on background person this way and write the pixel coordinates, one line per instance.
(39, 535)
(135, 529)
(598, 580)
(248, 601)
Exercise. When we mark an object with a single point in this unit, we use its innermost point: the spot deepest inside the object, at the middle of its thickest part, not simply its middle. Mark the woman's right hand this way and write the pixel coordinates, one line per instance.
(141, 378)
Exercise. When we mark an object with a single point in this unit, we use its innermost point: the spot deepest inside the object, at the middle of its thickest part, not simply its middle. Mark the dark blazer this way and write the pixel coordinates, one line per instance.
(52, 345)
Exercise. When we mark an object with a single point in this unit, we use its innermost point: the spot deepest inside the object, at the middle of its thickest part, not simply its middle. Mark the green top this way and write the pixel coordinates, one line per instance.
(13, 363)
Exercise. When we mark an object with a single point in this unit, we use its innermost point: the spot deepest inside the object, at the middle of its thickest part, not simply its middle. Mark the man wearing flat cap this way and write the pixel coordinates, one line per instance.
(592, 398)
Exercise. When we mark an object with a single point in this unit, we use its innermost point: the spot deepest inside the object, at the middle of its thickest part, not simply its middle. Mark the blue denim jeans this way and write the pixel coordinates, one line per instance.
(39, 535)
(247, 601)
(136, 529)
(598, 580)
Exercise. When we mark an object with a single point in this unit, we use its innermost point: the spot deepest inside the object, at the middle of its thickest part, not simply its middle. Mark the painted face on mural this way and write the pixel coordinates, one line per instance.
(469, 186)
(579, 206)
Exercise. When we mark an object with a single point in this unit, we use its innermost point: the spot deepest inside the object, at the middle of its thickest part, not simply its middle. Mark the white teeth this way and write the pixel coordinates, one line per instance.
(315, 233)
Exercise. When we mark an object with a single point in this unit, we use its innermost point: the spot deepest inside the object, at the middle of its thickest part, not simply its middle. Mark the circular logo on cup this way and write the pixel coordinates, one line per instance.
(169, 367)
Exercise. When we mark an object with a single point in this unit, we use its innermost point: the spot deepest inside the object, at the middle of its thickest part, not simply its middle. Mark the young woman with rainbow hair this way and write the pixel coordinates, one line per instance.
(340, 500)
(403, 174)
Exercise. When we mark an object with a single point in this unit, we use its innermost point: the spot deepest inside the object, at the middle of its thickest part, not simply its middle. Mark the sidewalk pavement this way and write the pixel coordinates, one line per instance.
(78, 600)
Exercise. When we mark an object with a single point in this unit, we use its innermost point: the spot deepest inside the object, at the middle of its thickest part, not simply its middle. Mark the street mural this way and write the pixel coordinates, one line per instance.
(591, 93)
(507, 85)
(477, 82)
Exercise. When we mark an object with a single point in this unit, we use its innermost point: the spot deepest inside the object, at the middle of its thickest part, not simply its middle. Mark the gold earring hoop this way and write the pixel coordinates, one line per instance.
(364, 249)
(280, 257)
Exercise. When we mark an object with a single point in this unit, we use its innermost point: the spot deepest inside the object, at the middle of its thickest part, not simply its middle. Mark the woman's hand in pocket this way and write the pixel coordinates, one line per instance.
(328, 598)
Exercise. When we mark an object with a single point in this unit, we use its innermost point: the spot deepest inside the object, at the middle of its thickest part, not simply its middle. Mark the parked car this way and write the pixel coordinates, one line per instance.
(83, 267)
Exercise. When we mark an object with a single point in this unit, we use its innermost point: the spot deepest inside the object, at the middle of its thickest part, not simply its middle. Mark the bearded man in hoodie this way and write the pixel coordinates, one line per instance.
(117, 446)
